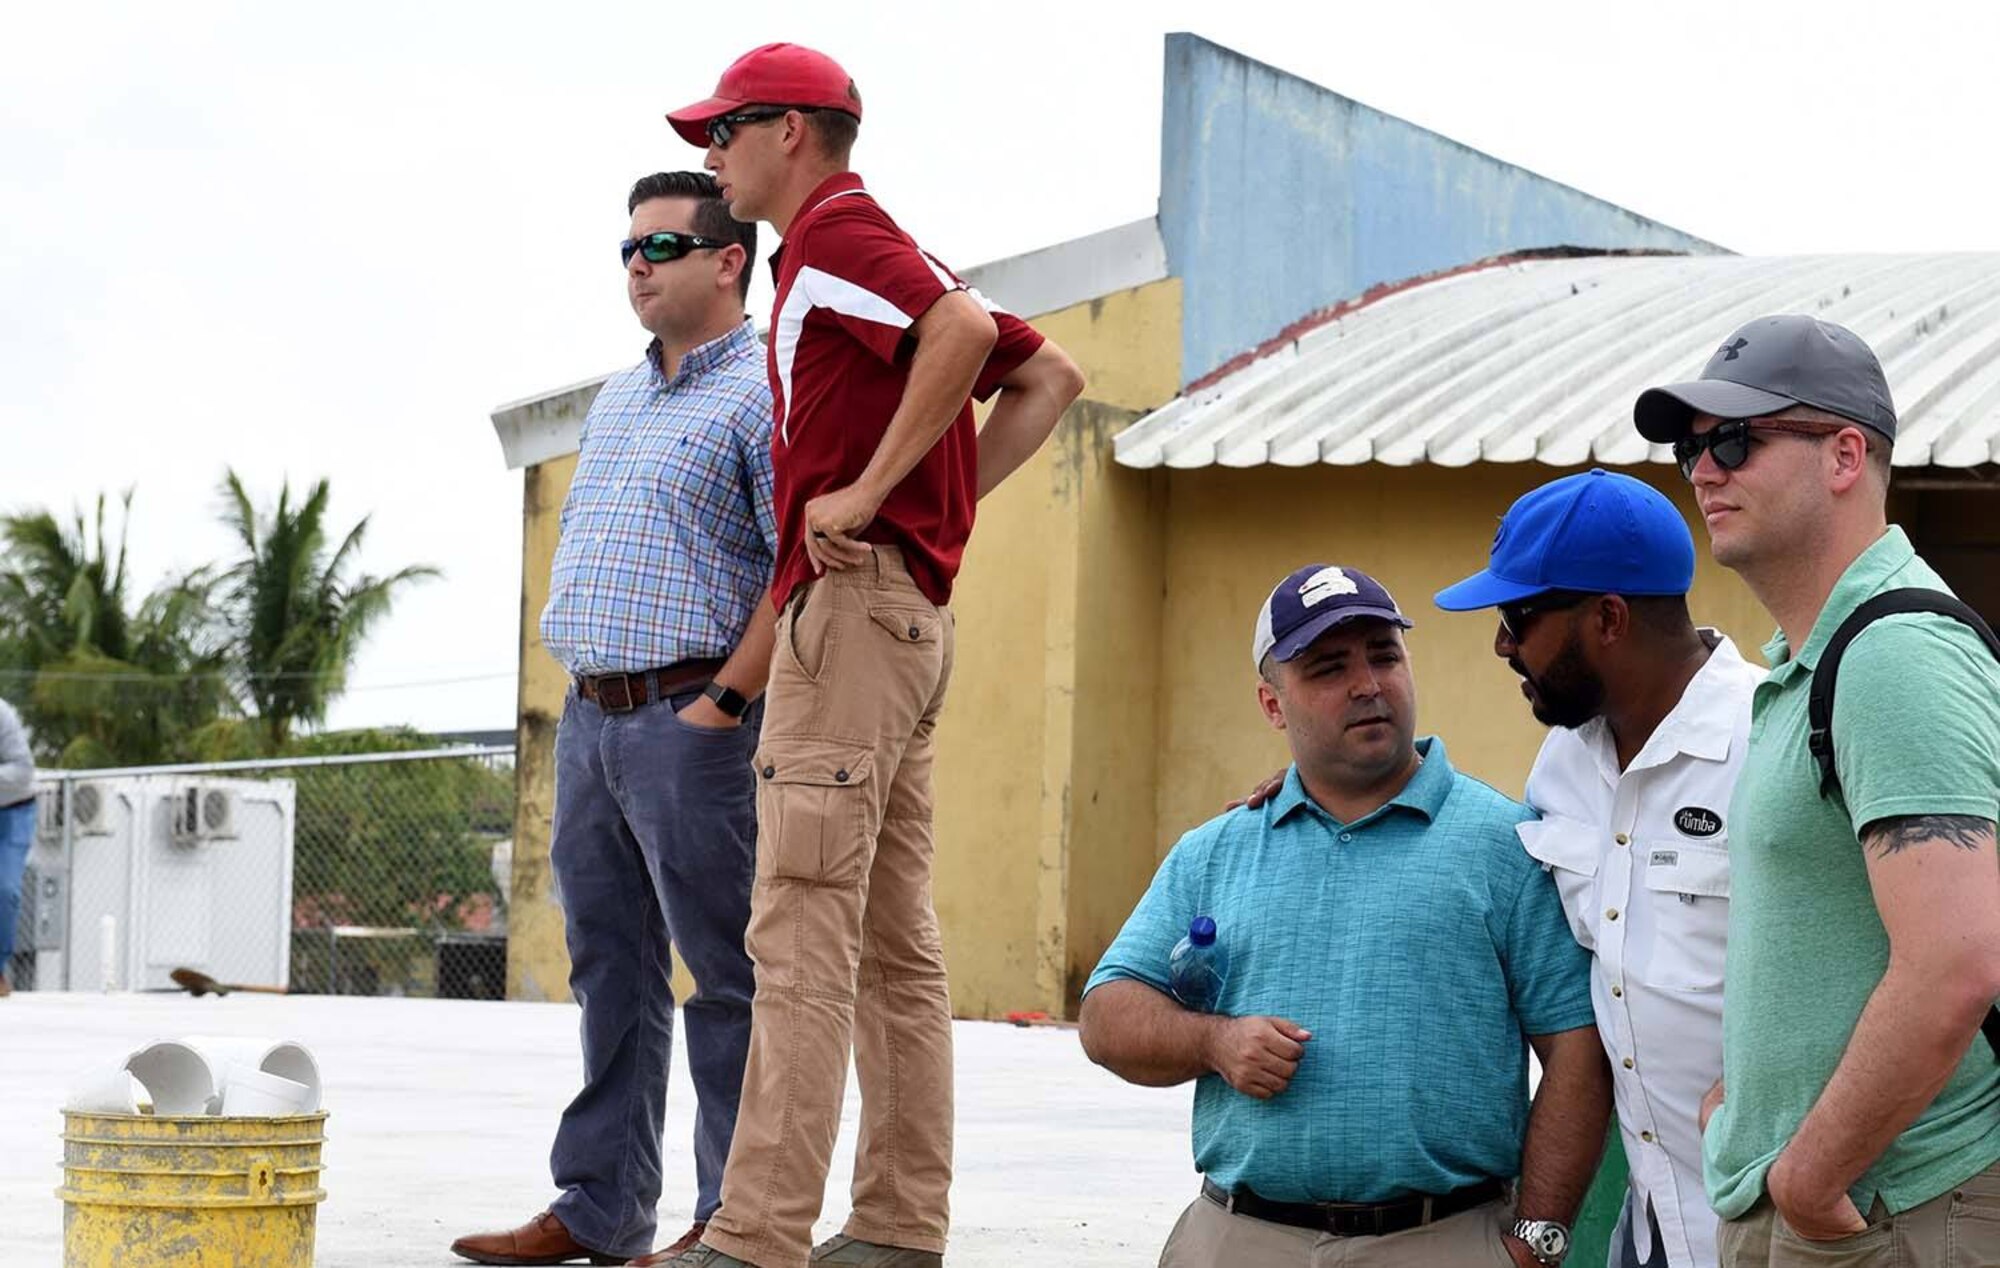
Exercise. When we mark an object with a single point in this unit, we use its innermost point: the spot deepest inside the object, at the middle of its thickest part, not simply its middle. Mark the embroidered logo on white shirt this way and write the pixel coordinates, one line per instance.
(1697, 821)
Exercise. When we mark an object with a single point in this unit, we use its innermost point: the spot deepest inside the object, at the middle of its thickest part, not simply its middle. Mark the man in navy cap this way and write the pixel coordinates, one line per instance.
(1651, 717)
(1862, 1116)
(1361, 1086)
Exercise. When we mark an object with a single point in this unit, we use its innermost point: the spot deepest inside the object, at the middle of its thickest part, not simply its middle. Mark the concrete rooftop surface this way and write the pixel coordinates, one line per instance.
(441, 1113)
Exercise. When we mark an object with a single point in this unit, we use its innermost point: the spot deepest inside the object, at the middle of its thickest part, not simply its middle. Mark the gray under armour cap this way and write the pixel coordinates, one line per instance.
(1772, 364)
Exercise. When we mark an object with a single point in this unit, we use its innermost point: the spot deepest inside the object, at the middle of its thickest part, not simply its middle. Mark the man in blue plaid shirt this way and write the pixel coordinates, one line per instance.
(656, 609)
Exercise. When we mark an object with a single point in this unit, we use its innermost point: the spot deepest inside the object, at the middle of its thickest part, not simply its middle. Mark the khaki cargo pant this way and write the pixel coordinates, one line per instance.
(1956, 1229)
(842, 927)
(1209, 1237)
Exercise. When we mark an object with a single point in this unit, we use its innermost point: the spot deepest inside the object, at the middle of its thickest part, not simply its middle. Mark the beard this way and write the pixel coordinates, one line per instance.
(1568, 693)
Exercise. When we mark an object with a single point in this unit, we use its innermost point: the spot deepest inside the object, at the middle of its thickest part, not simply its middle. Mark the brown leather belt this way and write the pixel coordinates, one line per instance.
(1356, 1219)
(622, 693)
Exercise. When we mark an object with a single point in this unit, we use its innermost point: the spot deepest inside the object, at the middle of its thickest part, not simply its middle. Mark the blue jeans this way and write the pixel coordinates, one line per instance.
(654, 840)
(17, 833)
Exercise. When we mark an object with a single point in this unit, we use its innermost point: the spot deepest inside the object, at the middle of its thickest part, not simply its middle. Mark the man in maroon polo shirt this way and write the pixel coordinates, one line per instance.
(875, 350)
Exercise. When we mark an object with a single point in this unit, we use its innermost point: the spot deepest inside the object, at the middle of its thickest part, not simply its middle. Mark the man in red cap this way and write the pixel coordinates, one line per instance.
(875, 348)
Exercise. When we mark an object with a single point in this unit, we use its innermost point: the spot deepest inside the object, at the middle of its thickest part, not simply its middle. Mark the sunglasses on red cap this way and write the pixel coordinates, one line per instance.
(723, 127)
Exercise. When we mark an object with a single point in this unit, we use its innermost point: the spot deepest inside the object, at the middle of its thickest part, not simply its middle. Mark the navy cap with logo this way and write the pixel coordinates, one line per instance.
(1769, 365)
(1312, 601)
(1598, 532)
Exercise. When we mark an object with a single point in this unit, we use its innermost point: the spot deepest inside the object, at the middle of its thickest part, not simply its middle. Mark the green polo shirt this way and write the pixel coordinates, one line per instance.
(1916, 731)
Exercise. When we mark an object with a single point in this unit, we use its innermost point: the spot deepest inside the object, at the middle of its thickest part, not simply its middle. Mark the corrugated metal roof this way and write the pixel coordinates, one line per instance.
(1541, 359)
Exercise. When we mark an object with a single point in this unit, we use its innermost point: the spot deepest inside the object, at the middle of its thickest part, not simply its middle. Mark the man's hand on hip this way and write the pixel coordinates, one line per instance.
(832, 520)
(1256, 1055)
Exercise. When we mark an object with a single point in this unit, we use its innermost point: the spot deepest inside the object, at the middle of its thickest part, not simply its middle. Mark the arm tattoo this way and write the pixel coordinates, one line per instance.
(1899, 833)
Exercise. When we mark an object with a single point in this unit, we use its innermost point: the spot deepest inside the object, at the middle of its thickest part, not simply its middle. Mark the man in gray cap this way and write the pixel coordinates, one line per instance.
(1861, 1121)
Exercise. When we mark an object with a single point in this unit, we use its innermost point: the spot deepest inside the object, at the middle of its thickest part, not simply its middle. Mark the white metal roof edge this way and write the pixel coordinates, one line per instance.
(1933, 317)
(538, 428)
(1052, 278)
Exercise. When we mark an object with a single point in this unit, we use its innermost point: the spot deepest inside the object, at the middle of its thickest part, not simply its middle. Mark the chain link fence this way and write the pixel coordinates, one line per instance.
(365, 874)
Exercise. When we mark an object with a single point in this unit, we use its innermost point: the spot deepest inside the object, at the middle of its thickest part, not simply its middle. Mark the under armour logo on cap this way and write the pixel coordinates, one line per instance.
(1794, 360)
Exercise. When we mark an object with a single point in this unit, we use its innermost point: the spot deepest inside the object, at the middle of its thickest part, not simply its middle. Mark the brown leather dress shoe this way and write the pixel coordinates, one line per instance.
(688, 1241)
(542, 1240)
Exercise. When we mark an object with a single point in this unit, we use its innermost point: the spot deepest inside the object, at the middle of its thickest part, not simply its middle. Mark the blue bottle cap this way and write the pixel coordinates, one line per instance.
(1201, 930)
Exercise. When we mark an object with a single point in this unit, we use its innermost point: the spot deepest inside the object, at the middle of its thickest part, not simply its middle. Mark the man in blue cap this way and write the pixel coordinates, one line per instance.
(1361, 1085)
(1651, 718)
(1862, 1116)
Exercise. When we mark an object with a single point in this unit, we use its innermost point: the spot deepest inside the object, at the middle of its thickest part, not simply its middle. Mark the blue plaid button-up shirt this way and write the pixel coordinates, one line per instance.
(667, 532)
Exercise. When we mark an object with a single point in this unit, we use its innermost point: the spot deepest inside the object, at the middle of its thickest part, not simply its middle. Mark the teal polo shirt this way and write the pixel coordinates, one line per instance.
(1916, 731)
(1419, 944)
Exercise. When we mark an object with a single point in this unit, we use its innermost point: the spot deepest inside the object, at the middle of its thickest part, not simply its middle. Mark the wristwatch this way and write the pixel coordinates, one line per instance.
(728, 699)
(1547, 1240)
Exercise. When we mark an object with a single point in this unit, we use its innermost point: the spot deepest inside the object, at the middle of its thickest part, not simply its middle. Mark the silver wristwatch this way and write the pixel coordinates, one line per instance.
(1546, 1239)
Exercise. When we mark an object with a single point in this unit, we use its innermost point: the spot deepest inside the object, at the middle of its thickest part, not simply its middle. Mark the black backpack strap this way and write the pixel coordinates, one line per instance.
(1820, 703)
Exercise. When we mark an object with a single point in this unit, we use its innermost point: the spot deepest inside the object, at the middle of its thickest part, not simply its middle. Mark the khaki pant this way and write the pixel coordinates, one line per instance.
(1209, 1237)
(842, 926)
(1957, 1229)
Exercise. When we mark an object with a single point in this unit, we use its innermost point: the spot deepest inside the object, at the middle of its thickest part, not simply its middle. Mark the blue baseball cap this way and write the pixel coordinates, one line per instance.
(1312, 601)
(1598, 532)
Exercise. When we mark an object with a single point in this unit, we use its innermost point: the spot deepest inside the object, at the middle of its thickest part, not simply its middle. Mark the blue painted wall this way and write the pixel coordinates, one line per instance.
(1279, 198)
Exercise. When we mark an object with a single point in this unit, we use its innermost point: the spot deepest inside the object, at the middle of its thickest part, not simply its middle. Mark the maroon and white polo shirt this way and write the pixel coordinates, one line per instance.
(850, 285)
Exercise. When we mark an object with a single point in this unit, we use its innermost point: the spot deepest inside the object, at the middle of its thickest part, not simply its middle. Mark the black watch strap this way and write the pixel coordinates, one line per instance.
(728, 699)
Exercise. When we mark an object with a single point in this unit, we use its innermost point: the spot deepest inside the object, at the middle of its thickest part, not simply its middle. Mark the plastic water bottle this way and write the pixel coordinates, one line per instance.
(1198, 967)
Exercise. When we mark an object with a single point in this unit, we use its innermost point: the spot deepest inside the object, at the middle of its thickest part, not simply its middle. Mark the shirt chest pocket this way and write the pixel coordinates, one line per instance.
(1568, 850)
(1689, 886)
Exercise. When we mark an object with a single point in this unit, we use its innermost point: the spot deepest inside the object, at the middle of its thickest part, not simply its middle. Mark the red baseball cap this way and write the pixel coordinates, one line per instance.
(775, 75)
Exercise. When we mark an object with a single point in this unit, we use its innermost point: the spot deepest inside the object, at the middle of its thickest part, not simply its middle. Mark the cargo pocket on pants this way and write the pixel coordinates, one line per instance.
(814, 809)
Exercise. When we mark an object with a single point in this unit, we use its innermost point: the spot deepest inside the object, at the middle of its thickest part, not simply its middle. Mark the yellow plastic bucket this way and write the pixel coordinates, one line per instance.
(146, 1192)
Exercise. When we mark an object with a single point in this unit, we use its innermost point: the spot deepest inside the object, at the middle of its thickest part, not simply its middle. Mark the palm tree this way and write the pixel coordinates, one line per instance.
(298, 616)
(63, 589)
(104, 684)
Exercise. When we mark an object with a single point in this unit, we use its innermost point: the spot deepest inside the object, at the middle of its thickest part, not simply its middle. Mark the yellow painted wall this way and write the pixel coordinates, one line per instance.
(1232, 534)
(1056, 608)
(537, 960)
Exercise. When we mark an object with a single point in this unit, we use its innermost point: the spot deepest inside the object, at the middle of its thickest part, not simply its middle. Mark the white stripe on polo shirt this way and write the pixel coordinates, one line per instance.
(815, 288)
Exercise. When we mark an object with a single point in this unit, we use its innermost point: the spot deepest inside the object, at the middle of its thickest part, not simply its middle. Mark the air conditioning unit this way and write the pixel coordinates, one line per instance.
(88, 811)
(203, 812)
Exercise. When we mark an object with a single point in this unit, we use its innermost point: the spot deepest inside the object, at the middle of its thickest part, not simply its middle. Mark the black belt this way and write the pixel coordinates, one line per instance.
(622, 693)
(16, 805)
(1356, 1219)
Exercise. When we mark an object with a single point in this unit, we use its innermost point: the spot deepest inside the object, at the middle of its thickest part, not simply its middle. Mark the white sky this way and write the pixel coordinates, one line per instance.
(327, 241)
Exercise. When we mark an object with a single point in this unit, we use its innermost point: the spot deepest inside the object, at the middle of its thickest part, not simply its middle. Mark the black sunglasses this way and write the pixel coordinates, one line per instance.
(1729, 443)
(658, 248)
(723, 127)
(1514, 617)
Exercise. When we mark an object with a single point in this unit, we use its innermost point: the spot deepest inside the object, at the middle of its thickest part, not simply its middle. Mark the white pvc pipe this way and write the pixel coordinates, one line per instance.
(107, 952)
